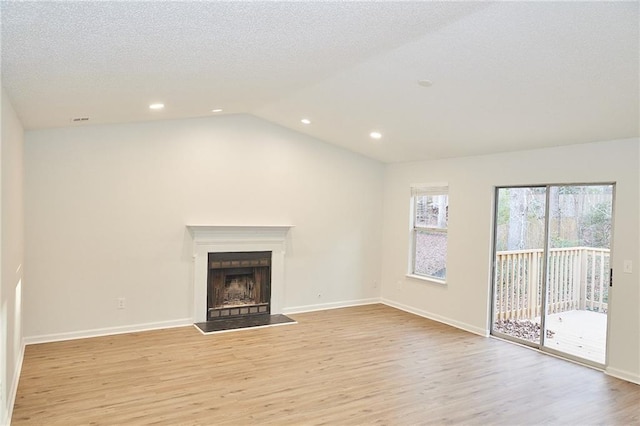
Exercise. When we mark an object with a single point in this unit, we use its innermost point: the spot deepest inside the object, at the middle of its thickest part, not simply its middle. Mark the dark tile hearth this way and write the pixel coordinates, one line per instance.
(242, 322)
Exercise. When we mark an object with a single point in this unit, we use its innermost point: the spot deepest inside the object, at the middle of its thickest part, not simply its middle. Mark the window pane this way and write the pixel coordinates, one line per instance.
(520, 218)
(431, 254)
(432, 211)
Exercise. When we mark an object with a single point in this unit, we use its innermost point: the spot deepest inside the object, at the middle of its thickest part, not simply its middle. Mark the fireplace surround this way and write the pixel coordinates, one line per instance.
(236, 239)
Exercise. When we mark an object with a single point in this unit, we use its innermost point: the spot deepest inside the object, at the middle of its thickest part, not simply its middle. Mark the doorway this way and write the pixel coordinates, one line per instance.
(551, 268)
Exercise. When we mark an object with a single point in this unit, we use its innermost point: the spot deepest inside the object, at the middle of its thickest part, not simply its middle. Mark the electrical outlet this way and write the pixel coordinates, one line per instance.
(121, 303)
(628, 267)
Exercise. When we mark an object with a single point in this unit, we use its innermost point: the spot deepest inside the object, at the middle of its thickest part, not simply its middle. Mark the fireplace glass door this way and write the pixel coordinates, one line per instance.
(239, 283)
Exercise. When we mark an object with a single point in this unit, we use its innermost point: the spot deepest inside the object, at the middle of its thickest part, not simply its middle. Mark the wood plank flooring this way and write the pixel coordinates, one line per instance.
(363, 365)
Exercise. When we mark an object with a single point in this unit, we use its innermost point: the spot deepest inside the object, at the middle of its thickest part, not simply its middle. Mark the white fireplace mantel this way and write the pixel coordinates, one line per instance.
(228, 238)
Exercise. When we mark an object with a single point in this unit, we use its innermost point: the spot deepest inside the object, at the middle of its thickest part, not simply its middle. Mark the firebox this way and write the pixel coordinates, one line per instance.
(238, 284)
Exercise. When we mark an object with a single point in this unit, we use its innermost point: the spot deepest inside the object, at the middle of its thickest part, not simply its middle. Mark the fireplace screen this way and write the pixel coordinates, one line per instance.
(238, 284)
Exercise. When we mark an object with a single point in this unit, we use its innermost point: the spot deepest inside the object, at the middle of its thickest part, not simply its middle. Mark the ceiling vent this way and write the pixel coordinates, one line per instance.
(79, 119)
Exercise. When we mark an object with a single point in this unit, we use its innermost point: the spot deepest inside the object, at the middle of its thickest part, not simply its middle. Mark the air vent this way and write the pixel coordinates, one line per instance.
(79, 119)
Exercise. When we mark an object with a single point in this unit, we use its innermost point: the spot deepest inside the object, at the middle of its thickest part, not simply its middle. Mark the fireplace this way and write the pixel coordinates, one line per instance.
(236, 239)
(238, 284)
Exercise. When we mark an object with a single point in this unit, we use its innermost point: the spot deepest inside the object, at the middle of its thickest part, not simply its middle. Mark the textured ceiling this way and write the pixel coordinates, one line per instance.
(506, 76)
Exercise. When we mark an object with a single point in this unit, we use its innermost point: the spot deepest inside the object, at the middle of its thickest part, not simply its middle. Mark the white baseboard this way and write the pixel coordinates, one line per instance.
(415, 311)
(624, 375)
(453, 323)
(84, 334)
(13, 392)
(333, 305)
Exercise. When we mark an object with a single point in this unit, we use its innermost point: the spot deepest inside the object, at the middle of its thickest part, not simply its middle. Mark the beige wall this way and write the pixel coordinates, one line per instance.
(12, 255)
(464, 301)
(106, 209)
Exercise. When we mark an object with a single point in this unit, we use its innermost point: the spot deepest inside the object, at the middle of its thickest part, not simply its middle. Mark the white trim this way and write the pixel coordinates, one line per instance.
(235, 232)
(448, 321)
(427, 279)
(623, 375)
(327, 306)
(13, 392)
(48, 338)
(224, 239)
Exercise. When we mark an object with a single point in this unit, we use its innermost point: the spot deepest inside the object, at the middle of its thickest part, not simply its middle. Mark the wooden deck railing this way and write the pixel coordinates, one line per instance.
(578, 279)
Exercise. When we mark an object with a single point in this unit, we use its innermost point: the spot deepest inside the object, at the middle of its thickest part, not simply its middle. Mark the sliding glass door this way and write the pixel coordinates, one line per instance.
(551, 268)
(518, 263)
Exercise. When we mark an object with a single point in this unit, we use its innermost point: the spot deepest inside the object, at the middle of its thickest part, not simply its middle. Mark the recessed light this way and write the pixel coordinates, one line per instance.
(425, 83)
(156, 106)
(216, 110)
(375, 135)
(305, 121)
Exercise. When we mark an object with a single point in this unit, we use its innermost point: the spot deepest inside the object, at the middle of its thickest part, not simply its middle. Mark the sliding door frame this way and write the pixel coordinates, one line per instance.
(545, 275)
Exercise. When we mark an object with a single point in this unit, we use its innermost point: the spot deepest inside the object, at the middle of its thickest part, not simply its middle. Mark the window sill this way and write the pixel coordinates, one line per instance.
(427, 279)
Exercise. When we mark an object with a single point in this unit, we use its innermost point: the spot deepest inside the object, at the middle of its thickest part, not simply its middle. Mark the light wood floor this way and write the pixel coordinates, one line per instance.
(363, 365)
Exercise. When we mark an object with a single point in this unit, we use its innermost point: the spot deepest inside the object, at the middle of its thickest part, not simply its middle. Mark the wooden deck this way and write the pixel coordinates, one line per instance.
(363, 365)
(579, 333)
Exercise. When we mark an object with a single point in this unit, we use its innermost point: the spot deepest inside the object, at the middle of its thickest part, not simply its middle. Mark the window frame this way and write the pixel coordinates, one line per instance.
(415, 228)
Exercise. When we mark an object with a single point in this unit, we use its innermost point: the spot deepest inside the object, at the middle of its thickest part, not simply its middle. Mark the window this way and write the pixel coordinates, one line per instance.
(430, 215)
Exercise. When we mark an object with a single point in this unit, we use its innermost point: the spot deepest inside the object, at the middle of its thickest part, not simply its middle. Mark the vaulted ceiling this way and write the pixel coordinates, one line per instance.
(503, 76)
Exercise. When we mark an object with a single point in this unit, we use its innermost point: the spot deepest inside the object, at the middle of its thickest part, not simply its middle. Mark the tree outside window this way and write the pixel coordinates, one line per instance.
(429, 228)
